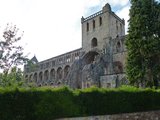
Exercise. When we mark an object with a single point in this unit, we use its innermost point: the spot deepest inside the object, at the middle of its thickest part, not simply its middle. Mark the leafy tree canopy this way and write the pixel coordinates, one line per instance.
(11, 54)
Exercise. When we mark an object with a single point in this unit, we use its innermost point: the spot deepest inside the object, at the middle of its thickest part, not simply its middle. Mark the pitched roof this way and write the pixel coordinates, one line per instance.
(34, 59)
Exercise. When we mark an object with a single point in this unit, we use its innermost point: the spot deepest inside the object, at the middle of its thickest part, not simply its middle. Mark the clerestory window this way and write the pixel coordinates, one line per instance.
(93, 24)
(100, 21)
(87, 27)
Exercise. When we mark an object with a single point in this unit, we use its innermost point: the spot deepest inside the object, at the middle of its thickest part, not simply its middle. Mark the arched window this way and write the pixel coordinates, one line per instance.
(100, 21)
(39, 85)
(94, 42)
(40, 76)
(52, 84)
(93, 24)
(52, 74)
(59, 73)
(121, 28)
(35, 77)
(117, 26)
(66, 70)
(87, 27)
(118, 47)
(26, 78)
(30, 78)
(46, 75)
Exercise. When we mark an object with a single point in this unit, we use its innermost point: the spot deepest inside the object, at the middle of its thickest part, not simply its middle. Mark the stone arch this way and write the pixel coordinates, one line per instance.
(79, 86)
(45, 84)
(52, 84)
(40, 76)
(66, 70)
(90, 57)
(118, 46)
(88, 85)
(94, 42)
(35, 77)
(59, 73)
(118, 67)
(26, 77)
(46, 75)
(31, 77)
(52, 74)
(39, 85)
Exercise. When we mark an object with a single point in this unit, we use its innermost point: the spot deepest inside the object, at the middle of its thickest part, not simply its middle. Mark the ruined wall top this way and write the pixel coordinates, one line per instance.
(106, 8)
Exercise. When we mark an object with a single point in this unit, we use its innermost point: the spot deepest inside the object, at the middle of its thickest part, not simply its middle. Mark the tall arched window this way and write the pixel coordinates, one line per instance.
(94, 42)
(59, 73)
(46, 75)
(118, 47)
(52, 74)
(26, 78)
(93, 24)
(35, 77)
(117, 26)
(66, 70)
(100, 21)
(87, 27)
(121, 28)
(40, 76)
(30, 78)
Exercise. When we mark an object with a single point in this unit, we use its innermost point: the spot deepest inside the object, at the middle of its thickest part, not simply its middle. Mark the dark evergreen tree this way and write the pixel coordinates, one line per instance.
(143, 43)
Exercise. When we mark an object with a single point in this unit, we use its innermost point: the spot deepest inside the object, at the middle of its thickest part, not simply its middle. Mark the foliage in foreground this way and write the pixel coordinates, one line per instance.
(52, 103)
(13, 78)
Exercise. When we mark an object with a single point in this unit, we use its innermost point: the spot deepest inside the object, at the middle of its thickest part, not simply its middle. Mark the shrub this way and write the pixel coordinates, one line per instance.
(51, 103)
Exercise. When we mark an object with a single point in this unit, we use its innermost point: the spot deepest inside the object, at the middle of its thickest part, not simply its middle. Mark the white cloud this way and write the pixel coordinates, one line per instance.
(118, 2)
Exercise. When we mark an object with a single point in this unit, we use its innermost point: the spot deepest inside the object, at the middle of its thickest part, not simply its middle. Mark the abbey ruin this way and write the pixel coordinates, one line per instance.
(100, 62)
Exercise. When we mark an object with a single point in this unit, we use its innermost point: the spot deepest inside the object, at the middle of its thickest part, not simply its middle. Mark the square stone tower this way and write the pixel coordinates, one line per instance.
(98, 28)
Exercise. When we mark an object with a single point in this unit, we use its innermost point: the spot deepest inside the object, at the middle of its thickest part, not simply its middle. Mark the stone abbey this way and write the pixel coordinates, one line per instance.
(100, 62)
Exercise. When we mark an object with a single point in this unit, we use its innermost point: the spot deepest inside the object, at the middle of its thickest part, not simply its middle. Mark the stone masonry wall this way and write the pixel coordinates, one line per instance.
(151, 115)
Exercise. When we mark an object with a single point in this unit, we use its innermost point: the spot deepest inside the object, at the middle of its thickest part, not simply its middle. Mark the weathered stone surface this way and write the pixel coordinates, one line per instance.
(151, 115)
(100, 69)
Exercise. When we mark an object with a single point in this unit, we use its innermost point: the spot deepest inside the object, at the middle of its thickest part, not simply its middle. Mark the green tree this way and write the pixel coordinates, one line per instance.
(11, 54)
(13, 78)
(143, 40)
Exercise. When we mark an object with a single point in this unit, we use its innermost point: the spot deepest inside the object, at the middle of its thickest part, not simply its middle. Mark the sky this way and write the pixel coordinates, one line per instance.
(53, 27)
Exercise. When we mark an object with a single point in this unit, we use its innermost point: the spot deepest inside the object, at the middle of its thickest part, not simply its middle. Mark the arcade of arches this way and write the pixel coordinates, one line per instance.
(49, 77)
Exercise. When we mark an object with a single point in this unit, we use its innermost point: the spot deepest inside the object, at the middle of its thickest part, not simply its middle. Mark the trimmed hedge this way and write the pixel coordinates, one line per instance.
(52, 103)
